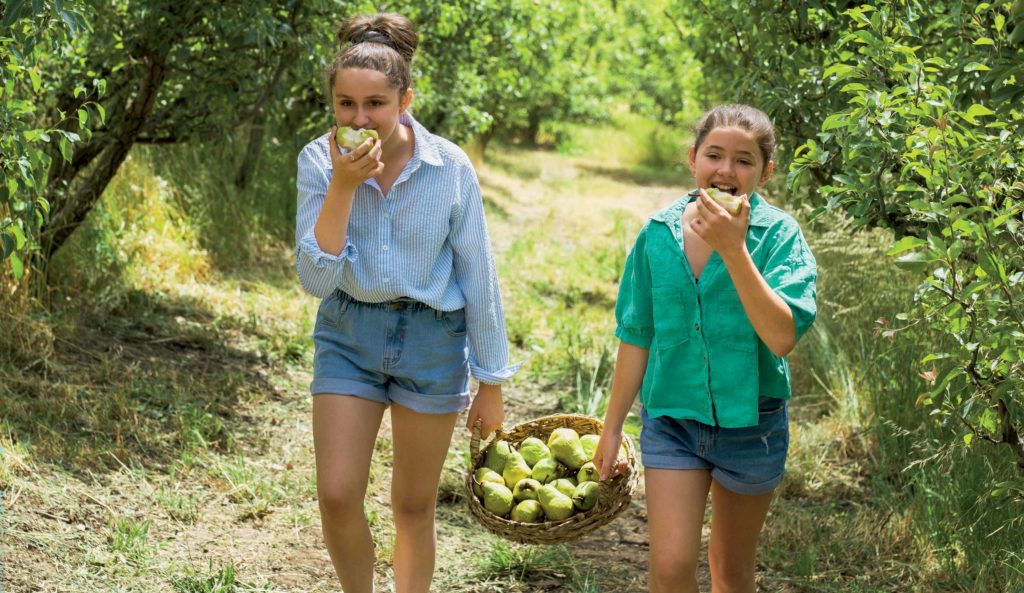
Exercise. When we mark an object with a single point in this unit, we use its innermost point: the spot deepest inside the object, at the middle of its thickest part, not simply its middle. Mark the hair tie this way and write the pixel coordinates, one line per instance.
(372, 36)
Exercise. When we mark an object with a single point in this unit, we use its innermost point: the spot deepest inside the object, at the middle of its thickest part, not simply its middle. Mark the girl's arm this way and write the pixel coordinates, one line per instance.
(630, 366)
(768, 313)
(350, 169)
(770, 316)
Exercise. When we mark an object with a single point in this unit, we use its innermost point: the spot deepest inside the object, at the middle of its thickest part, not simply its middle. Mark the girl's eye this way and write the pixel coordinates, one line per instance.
(345, 103)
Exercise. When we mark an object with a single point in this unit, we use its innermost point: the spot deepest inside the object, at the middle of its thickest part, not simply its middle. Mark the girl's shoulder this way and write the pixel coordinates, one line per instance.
(317, 150)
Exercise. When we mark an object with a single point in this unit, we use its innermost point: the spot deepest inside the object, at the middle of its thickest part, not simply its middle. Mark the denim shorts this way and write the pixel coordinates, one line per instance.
(398, 351)
(748, 460)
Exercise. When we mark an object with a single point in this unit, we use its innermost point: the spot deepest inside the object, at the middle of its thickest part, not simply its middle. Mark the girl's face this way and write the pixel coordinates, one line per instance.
(730, 160)
(365, 99)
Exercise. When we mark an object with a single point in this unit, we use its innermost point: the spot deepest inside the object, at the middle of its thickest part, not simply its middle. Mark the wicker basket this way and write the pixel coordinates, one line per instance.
(614, 494)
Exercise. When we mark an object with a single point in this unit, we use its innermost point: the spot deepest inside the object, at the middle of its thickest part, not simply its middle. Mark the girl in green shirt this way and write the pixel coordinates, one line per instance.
(711, 301)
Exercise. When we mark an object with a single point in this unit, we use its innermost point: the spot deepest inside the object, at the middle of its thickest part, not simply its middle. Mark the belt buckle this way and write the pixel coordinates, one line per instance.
(395, 305)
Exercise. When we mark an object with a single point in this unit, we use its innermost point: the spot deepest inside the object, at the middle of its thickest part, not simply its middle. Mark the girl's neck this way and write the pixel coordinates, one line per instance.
(398, 145)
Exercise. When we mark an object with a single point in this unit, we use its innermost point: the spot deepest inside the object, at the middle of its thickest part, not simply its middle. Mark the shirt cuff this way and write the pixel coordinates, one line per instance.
(321, 259)
(494, 378)
(640, 339)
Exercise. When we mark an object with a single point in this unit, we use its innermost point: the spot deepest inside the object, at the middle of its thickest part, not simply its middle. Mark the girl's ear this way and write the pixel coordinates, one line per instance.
(693, 159)
(767, 171)
(406, 100)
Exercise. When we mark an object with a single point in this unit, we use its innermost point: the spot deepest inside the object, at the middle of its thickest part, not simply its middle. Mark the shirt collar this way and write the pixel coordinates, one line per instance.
(760, 214)
(425, 149)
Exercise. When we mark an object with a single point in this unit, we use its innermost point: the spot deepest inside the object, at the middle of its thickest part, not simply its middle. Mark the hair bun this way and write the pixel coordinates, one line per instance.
(388, 29)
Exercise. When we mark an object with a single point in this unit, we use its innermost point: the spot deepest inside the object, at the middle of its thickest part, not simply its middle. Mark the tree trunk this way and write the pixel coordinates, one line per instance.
(251, 158)
(73, 201)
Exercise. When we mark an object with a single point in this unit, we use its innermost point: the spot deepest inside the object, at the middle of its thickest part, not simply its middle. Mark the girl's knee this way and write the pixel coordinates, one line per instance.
(413, 512)
(340, 504)
(730, 574)
(672, 568)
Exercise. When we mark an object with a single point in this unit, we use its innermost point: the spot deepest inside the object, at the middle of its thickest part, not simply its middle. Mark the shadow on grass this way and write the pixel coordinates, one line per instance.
(146, 383)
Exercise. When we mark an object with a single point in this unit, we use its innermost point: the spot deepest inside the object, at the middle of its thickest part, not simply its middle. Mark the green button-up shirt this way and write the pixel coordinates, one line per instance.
(706, 362)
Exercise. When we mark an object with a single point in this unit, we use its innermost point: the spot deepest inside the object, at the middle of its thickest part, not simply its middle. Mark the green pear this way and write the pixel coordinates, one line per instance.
(497, 498)
(351, 139)
(547, 470)
(585, 496)
(565, 486)
(497, 455)
(515, 469)
(485, 475)
(526, 490)
(528, 511)
(589, 442)
(588, 473)
(533, 450)
(556, 505)
(566, 447)
(726, 200)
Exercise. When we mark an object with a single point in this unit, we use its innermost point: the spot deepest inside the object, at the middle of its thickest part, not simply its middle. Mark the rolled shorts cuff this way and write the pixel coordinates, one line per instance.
(348, 387)
(733, 485)
(428, 404)
(672, 462)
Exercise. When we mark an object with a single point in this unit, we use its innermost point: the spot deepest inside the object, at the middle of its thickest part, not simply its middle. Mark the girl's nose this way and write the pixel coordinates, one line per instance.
(360, 120)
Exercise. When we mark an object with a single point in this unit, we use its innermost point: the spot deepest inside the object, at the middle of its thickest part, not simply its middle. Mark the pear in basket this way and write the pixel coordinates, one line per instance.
(547, 470)
(565, 445)
(528, 511)
(497, 455)
(533, 450)
(585, 496)
(556, 505)
(588, 473)
(526, 490)
(485, 475)
(565, 486)
(497, 498)
(589, 442)
(515, 469)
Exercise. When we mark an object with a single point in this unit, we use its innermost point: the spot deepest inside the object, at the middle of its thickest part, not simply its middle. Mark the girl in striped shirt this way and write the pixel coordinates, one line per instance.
(391, 235)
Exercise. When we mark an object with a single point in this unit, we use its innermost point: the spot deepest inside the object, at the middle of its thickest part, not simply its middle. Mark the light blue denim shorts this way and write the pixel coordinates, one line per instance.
(398, 351)
(750, 460)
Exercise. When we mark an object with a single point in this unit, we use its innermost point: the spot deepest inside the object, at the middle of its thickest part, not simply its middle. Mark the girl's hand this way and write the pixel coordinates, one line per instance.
(357, 165)
(488, 408)
(720, 230)
(606, 457)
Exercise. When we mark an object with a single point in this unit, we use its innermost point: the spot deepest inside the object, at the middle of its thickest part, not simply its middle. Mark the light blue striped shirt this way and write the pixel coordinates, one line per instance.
(427, 240)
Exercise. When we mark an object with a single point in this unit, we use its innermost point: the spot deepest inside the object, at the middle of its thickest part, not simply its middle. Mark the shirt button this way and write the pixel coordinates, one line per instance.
(387, 280)
(696, 326)
(385, 248)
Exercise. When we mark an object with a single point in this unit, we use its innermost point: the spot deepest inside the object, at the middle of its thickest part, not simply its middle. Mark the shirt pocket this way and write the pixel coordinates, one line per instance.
(730, 326)
(672, 318)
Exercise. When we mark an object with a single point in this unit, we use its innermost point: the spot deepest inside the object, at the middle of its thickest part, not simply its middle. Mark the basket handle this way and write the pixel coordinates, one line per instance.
(474, 440)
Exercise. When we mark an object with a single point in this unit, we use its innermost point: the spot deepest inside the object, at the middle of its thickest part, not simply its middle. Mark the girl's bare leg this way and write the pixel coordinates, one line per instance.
(736, 522)
(420, 443)
(675, 508)
(344, 431)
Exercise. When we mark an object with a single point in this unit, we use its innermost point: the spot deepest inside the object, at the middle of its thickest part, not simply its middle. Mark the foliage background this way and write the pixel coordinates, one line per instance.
(900, 126)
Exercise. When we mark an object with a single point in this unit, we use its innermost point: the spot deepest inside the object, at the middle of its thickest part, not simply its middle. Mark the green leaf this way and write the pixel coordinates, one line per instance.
(905, 244)
(975, 67)
(19, 236)
(17, 266)
(917, 261)
(14, 10)
(983, 41)
(8, 245)
(978, 109)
